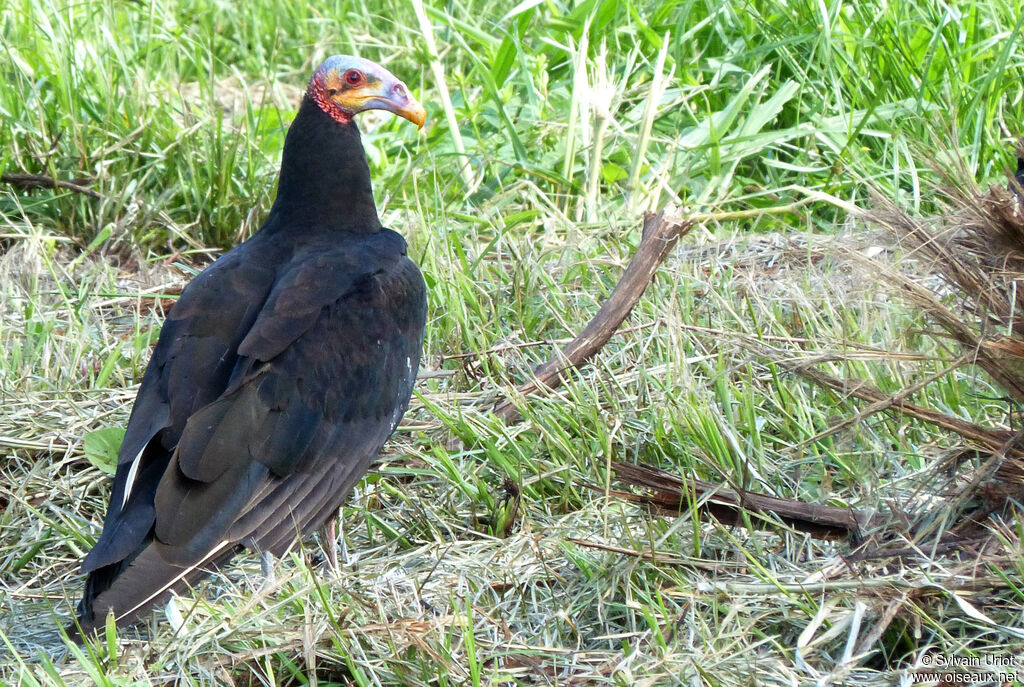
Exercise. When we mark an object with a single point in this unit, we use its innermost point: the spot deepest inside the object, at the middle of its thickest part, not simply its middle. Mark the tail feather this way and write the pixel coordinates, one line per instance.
(142, 582)
(280, 514)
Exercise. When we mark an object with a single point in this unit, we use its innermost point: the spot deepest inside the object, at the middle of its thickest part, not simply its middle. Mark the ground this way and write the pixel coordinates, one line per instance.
(476, 552)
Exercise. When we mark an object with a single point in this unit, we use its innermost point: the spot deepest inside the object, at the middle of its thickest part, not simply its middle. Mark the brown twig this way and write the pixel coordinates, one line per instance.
(44, 181)
(941, 547)
(648, 555)
(671, 493)
(501, 348)
(985, 437)
(660, 233)
(882, 404)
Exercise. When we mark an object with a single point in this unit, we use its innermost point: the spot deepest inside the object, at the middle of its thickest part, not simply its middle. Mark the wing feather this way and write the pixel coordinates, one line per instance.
(261, 410)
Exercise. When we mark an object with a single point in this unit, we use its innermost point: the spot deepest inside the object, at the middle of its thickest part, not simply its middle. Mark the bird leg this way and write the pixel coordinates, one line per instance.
(329, 535)
(267, 569)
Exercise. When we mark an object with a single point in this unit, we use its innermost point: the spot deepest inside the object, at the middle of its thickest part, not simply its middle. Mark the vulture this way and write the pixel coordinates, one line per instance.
(278, 375)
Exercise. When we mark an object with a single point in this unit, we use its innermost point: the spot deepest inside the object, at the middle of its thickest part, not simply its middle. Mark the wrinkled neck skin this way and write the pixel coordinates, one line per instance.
(325, 180)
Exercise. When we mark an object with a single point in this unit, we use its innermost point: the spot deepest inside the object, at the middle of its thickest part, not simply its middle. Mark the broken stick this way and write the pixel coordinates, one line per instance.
(660, 233)
(43, 181)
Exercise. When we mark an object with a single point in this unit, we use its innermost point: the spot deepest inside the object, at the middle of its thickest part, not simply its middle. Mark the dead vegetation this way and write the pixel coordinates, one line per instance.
(552, 580)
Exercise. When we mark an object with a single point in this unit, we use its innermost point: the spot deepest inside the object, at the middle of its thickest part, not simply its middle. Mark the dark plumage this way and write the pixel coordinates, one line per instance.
(279, 373)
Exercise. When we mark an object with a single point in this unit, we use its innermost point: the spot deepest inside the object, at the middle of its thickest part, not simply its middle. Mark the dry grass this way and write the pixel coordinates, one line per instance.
(425, 594)
(771, 116)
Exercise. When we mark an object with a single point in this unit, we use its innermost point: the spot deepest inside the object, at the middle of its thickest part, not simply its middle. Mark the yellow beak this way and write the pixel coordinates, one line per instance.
(412, 111)
(388, 95)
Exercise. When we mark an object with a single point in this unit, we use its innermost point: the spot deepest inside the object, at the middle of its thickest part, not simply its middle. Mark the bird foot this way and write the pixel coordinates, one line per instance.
(173, 613)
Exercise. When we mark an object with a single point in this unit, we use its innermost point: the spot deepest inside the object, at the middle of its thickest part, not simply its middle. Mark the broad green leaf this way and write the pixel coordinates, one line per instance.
(101, 447)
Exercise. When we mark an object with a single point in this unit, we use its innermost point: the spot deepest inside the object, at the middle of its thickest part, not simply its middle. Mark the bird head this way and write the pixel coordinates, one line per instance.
(344, 86)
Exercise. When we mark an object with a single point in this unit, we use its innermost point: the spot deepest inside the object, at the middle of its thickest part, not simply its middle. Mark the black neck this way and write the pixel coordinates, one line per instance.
(325, 181)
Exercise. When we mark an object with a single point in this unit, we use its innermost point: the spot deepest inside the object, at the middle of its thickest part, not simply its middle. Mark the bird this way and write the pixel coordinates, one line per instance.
(278, 374)
(1018, 176)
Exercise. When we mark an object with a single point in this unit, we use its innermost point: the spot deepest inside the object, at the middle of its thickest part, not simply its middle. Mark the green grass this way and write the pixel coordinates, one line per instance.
(522, 224)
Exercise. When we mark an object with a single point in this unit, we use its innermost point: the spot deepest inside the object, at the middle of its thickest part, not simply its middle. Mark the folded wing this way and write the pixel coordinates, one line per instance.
(267, 398)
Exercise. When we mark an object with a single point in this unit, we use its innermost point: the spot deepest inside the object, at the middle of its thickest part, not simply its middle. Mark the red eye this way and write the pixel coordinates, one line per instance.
(353, 77)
